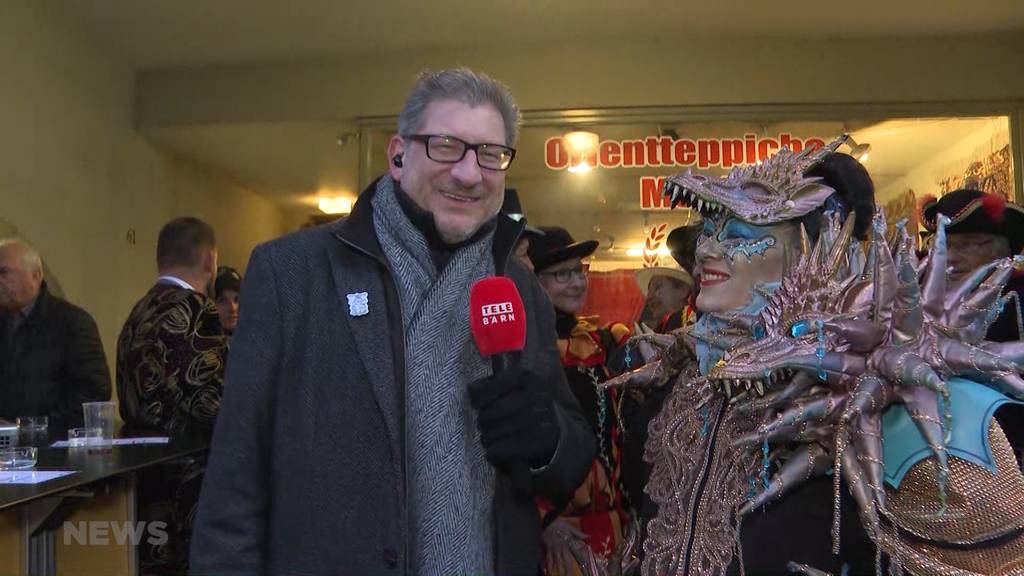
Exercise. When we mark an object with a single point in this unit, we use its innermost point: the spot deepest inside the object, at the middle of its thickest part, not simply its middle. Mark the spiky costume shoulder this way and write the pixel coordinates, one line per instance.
(897, 398)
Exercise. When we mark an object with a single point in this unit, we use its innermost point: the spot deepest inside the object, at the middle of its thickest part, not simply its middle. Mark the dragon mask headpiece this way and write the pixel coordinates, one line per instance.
(773, 191)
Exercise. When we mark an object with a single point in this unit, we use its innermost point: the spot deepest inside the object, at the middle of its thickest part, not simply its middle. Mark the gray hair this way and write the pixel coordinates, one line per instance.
(30, 259)
(463, 85)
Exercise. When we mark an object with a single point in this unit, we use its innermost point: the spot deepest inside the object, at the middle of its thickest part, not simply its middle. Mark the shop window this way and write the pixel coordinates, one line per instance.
(616, 197)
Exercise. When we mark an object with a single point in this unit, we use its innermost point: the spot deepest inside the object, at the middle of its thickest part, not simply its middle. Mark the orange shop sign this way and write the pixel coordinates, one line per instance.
(665, 151)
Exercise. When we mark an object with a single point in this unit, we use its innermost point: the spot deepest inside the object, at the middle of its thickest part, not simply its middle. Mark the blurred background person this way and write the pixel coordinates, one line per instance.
(670, 290)
(170, 354)
(983, 228)
(514, 210)
(682, 245)
(667, 291)
(598, 514)
(225, 293)
(170, 378)
(51, 356)
(637, 407)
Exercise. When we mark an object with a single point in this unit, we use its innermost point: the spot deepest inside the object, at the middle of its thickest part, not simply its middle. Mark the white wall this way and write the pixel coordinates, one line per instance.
(75, 175)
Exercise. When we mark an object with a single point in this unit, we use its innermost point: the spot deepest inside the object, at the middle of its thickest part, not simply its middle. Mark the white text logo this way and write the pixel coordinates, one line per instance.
(100, 533)
(497, 313)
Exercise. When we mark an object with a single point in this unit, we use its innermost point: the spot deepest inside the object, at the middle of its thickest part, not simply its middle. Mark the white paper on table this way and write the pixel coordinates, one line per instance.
(31, 476)
(119, 442)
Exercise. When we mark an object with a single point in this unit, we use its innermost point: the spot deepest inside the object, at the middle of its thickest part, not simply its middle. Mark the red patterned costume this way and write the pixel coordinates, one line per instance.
(598, 507)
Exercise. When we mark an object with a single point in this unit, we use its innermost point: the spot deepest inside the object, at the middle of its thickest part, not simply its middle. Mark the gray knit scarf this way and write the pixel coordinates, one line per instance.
(450, 485)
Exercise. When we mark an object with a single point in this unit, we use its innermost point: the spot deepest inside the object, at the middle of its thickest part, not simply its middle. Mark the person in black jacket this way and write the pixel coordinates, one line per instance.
(361, 431)
(51, 356)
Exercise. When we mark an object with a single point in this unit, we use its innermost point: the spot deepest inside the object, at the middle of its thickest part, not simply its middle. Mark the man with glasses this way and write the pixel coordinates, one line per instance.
(598, 513)
(362, 432)
(983, 228)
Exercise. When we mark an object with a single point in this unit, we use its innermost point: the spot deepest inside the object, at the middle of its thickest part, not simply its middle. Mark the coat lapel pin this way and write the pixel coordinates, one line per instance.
(358, 304)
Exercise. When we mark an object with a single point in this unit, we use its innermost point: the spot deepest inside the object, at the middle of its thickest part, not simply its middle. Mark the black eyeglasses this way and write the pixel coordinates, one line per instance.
(565, 275)
(450, 150)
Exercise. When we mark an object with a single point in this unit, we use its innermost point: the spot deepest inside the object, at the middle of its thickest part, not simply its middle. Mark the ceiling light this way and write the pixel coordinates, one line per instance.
(582, 147)
(336, 205)
(581, 141)
(581, 167)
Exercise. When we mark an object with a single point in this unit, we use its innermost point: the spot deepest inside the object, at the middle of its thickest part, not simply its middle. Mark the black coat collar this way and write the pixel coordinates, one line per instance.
(357, 231)
(41, 306)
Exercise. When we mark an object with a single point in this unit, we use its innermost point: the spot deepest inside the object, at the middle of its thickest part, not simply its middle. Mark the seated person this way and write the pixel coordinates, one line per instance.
(51, 356)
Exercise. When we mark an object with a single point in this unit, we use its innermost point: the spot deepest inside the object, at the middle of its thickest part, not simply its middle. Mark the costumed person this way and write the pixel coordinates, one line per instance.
(767, 456)
(640, 406)
(669, 290)
(983, 228)
(597, 513)
(666, 291)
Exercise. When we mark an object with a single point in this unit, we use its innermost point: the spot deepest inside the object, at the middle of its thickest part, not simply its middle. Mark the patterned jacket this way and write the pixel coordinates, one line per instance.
(170, 361)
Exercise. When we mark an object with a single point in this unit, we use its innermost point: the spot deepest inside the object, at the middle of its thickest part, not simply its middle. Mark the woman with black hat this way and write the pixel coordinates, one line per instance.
(983, 228)
(598, 512)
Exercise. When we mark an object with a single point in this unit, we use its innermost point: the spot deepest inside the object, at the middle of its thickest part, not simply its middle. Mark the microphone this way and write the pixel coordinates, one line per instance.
(497, 319)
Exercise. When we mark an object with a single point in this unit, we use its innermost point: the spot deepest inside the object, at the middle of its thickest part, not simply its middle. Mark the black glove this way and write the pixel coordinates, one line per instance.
(516, 417)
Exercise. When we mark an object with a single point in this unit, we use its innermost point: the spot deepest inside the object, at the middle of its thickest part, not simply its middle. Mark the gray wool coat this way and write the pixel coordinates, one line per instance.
(306, 473)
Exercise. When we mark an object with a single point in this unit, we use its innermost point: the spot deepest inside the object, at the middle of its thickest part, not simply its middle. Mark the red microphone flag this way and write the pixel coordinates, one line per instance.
(496, 316)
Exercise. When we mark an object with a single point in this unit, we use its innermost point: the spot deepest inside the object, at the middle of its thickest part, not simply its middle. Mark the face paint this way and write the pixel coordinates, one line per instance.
(738, 237)
(733, 257)
(748, 249)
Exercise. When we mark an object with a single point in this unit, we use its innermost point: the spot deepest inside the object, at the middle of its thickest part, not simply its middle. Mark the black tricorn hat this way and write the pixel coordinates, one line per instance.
(682, 244)
(975, 212)
(557, 245)
(514, 210)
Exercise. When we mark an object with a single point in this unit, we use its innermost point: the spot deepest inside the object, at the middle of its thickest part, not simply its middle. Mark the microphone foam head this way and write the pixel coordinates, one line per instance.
(496, 316)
